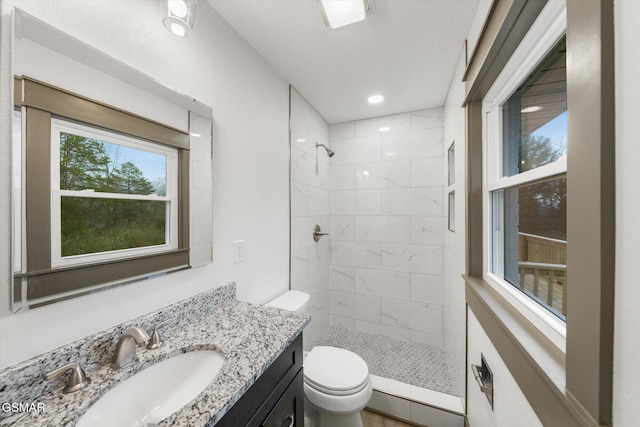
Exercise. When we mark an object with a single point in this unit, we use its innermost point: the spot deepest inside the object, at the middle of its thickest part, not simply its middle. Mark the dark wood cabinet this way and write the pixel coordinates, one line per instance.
(276, 399)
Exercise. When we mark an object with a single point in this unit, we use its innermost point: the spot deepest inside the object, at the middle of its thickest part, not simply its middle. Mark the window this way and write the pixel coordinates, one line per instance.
(102, 196)
(111, 195)
(528, 193)
(526, 188)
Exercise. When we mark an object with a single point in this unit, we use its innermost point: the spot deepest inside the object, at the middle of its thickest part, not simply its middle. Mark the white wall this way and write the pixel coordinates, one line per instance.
(250, 109)
(310, 207)
(626, 370)
(510, 406)
(387, 226)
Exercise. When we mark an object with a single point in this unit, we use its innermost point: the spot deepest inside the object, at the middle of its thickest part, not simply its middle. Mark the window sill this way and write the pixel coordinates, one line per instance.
(537, 364)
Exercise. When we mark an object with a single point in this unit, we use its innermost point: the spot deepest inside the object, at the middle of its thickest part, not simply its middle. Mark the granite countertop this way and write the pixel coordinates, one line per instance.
(249, 336)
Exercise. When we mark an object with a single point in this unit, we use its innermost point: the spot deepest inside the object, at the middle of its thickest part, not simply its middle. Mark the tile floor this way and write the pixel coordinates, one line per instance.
(412, 363)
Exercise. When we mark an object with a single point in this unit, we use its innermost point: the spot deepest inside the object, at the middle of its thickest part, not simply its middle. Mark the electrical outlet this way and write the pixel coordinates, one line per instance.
(238, 251)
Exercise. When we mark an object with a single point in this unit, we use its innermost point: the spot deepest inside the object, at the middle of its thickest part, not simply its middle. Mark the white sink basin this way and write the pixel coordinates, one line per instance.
(156, 392)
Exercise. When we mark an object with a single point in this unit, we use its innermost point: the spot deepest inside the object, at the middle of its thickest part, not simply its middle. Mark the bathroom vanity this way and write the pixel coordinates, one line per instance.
(259, 383)
(277, 397)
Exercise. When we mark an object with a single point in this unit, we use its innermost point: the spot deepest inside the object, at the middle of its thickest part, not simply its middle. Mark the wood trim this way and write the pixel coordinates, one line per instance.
(46, 283)
(591, 189)
(38, 189)
(474, 216)
(506, 26)
(76, 107)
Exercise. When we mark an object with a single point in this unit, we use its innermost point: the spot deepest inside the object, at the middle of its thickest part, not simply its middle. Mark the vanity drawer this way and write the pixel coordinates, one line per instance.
(256, 405)
(289, 411)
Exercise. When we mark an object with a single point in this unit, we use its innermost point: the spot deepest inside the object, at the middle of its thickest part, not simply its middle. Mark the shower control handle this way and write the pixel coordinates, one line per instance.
(317, 233)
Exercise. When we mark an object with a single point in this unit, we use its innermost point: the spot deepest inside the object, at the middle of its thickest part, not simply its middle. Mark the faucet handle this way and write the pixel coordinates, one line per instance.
(77, 380)
(156, 341)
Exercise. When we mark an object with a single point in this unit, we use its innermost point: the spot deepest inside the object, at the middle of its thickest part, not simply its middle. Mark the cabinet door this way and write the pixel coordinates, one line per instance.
(289, 411)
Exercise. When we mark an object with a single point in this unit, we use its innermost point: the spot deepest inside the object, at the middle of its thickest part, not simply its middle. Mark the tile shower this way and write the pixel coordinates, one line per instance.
(377, 283)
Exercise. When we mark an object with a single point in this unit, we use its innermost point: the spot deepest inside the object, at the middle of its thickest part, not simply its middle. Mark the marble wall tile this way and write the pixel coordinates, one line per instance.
(387, 224)
(318, 201)
(427, 230)
(427, 119)
(342, 227)
(427, 288)
(395, 332)
(308, 168)
(318, 307)
(357, 150)
(310, 205)
(342, 278)
(319, 258)
(356, 202)
(361, 307)
(416, 316)
(355, 254)
(412, 258)
(397, 123)
(299, 266)
(394, 284)
(392, 174)
(412, 145)
(342, 177)
(436, 340)
(427, 172)
(345, 130)
(343, 322)
(384, 229)
(299, 199)
(425, 201)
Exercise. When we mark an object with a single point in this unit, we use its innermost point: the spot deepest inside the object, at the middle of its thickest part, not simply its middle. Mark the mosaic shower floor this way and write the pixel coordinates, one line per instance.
(412, 363)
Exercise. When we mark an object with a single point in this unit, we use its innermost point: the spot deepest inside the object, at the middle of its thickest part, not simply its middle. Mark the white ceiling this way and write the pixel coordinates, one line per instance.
(407, 51)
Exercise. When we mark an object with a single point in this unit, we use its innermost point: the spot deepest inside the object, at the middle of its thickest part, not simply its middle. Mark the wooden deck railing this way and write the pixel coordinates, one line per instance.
(542, 268)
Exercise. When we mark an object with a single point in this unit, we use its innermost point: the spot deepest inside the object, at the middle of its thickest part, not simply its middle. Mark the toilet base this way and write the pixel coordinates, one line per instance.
(316, 418)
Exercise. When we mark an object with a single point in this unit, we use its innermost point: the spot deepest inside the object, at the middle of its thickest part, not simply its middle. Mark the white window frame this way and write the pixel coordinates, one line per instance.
(57, 260)
(548, 28)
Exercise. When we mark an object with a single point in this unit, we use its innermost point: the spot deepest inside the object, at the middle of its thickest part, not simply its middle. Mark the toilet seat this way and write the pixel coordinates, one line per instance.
(335, 371)
(336, 382)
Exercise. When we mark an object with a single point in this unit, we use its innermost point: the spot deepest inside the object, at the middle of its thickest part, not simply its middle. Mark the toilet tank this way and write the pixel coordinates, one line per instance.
(291, 300)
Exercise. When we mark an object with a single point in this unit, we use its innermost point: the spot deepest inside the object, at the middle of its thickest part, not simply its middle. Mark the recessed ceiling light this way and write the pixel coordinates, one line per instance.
(532, 109)
(375, 99)
(384, 129)
(195, 134)
(301, 140)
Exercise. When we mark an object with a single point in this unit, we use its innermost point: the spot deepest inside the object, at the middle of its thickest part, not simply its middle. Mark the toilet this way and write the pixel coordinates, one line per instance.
(337, 385)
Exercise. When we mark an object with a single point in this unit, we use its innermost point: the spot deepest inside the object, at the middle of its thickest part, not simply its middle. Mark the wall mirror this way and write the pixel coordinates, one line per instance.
(111, 171)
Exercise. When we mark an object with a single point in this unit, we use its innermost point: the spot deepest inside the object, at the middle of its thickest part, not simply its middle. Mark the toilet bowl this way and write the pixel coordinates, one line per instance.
(337, 384)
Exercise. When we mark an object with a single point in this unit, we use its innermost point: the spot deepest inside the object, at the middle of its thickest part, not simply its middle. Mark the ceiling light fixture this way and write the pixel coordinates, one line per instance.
(532, 109)
(384, 129)
(375, 99)
(179, 16)
(338, 13)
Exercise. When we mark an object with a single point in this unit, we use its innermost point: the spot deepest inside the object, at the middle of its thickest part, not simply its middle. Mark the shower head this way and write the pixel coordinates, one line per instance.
(329, 151)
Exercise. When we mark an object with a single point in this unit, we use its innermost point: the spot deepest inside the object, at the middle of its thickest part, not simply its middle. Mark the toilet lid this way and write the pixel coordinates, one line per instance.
(335, 369)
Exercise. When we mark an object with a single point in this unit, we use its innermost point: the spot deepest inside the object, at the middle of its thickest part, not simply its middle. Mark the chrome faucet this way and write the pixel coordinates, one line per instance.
(126, 348)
